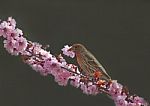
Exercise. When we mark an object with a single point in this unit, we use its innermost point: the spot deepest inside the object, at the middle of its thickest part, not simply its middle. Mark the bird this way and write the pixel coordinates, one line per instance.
(88, 64)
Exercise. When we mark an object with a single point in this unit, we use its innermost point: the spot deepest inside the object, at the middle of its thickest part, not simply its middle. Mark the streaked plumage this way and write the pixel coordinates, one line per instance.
(88, 63)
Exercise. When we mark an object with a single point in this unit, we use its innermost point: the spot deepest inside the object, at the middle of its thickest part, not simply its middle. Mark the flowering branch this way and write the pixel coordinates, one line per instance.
(42, 61)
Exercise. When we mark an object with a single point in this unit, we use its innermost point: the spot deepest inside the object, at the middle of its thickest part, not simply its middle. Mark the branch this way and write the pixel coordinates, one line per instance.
(42, 61)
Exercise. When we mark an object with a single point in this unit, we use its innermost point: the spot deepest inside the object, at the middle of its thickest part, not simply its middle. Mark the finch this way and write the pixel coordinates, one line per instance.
(88, 63)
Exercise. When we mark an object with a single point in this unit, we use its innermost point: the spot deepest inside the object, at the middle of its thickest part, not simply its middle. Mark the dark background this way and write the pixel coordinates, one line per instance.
(116, 31)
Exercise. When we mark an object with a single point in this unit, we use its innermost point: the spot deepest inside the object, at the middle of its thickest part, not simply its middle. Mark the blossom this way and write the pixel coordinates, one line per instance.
(121, 102)
(1, 32)
(115, 88)
(62, 77)
(75, 81)
(12, 22)
(6, 25)
(39, 68)
(89, 90)
(15, 46)
(45, 63)
(122, 99)
(93, 90)
(18, 31)
(68, 53)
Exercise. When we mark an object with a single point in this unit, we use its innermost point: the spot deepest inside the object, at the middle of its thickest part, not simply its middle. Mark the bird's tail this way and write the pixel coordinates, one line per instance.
(106, 77)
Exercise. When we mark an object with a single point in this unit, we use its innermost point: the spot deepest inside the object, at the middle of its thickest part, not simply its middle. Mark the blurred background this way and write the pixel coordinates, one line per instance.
(116, 32)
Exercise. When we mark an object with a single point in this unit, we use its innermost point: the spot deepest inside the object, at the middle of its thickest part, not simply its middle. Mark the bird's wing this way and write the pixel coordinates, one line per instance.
(94, 64)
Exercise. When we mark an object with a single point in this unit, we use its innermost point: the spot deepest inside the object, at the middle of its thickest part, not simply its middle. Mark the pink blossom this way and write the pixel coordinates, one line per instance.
(12, 22)
(51, 66)
(84, 88)
(120, 101)
(92, 90)
(115, 88)
(89, 90)
(62, 77)
(45, 63)
(18, 31)
(68, 53)
(140, 101)
(36, 47)
(45, 54)
(1, 32)
(6, 25)
(75, 81)
(39, 68)
(15, 46)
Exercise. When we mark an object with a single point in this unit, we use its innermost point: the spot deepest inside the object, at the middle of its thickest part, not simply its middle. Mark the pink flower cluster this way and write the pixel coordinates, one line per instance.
(45, 63)
(14, 42)
(68, 53)
(122, 97)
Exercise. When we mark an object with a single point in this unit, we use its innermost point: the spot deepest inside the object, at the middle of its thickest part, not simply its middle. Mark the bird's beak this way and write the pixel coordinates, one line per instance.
(70, 49)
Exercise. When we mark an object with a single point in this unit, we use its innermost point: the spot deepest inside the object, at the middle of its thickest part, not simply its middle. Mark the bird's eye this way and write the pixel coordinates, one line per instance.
(76, 47)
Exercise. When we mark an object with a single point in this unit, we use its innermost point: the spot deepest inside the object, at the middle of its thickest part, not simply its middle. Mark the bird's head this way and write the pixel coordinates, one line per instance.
(77, 48)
